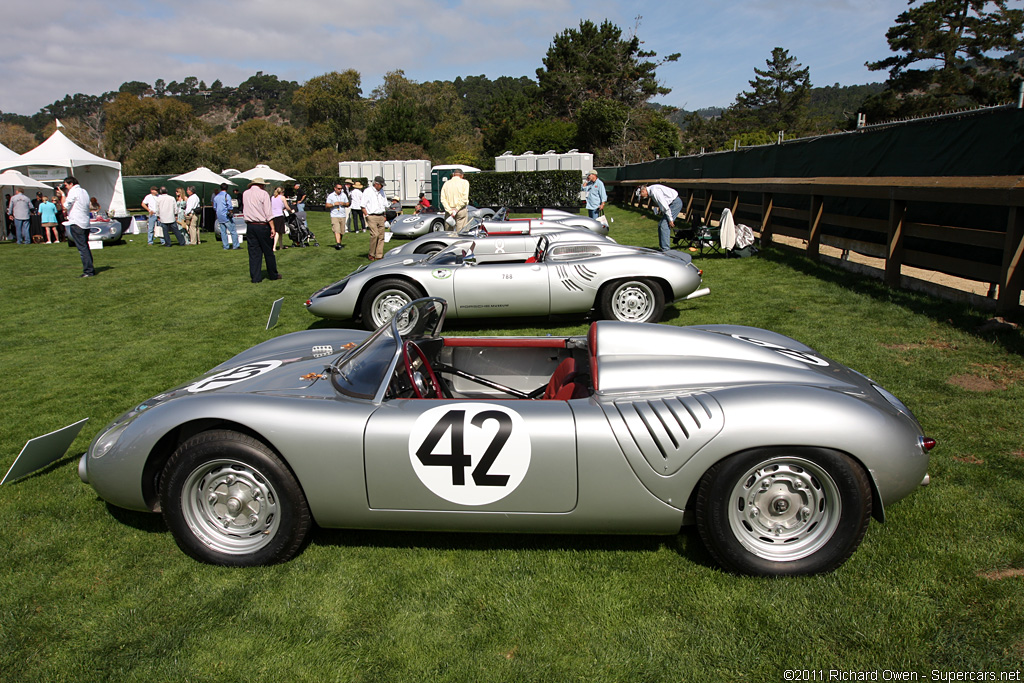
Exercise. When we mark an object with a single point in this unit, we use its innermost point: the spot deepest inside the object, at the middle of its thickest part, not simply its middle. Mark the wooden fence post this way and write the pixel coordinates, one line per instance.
(734, 202)
(894, 242)
(814, 225)
(767, 204)
(1012, 273)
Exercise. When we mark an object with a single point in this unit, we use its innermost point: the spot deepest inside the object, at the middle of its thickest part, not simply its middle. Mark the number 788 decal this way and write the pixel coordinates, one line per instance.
(470, 454)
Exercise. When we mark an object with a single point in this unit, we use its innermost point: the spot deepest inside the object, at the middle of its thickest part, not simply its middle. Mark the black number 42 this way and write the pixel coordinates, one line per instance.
(458, 459)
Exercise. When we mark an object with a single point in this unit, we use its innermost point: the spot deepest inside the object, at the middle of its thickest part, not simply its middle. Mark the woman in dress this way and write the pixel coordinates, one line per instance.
(278, 204)
(179, 206)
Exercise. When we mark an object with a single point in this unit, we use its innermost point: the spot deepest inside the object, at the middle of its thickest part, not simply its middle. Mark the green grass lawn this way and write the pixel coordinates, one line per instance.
(90, 592)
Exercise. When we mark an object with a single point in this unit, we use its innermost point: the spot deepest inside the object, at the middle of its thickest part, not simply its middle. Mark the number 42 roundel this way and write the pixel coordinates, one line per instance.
(471, 453)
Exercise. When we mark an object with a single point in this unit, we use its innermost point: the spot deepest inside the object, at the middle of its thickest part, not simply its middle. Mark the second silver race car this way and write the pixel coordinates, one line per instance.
(620, 282)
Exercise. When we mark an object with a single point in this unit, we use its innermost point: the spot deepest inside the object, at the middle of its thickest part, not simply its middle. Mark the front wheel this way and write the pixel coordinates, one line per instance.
(229, 500)
(383, 299)
(632, 301)
(783, 511)
(437, 225)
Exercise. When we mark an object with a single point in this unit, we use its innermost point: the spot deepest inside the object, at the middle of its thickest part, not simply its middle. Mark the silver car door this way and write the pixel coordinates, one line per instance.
(487, 456)
(500, 289)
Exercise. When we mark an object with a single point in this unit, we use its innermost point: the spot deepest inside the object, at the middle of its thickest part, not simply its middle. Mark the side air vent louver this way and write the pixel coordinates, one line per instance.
(665, 431)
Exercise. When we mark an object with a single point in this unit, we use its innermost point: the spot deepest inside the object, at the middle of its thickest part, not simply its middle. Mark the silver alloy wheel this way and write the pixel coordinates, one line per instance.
(437, 226)
(633, 302)
(386, 304)
(230, 506)
(784, 509)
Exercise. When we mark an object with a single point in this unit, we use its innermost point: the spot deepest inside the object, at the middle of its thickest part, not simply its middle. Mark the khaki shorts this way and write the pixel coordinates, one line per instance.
(338, 225)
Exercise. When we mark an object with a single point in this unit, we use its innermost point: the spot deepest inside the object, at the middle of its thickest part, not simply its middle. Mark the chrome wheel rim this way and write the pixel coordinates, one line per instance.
(633, 302)
(784, 509)
(386, 305)
(437, 226)
(230, 507)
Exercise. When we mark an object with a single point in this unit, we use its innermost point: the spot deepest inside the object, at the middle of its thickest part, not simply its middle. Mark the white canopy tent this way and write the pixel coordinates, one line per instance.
(265, 172)
(58, 156)
(7, 155)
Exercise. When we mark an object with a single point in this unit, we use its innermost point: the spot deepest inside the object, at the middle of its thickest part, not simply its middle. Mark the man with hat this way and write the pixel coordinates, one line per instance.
(375, 204)
(258, 214)
(355, 193)
(455, 198)
(596, 195)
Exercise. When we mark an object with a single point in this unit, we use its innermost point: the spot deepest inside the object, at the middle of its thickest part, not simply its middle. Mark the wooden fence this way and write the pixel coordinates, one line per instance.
(707, 197)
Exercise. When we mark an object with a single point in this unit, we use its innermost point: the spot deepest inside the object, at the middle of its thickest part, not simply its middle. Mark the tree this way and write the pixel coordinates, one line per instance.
(597, 62)
(779, 96)
(332, 103)
(398, 115)
(16, 138)
(137, 88)
(970, 51)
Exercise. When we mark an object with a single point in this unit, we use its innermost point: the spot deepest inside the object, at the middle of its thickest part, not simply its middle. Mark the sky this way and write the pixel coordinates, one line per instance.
(64, 47)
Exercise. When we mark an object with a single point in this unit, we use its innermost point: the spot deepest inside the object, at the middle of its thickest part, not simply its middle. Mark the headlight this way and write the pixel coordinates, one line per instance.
(331, 290)
(105, 441)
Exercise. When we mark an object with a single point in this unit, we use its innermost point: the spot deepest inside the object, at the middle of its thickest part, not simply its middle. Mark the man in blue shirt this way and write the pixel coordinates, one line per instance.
(222, 205)
(596, 195)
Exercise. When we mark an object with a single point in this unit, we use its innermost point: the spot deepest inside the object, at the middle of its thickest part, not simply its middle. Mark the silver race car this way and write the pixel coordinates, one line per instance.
(778, 454)
(417, 224)
(103, 229)
(563, 277)
(514, 240)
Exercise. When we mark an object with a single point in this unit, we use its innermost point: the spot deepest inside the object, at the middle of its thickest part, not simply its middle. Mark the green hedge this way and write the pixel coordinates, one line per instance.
(530, 190)
(318, 187)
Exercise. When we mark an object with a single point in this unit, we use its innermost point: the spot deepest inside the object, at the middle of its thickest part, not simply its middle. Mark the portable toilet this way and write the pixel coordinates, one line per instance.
(526, 162)
(348, 169)
(548, 161)
(505, 163)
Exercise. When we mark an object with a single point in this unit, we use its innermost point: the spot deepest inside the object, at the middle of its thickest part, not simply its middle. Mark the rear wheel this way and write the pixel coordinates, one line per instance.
(383, 299)
(784, 511)
(635, 301)
(229, 500)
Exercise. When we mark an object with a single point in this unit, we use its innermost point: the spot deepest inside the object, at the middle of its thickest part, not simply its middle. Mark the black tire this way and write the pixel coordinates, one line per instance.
(229, 500)
(635, 300)
(383, 298)
(429, 248)
(815, 504)
(437, 225)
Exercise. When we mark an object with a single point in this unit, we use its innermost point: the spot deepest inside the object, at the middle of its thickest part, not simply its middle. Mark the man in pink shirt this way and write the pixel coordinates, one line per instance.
(258, 214)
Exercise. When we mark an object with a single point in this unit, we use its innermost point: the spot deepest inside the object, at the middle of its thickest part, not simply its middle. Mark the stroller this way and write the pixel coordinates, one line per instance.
(298, 230)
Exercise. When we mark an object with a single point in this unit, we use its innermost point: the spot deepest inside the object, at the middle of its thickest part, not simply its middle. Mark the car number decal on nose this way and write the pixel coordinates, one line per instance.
(789, 353)
(234, 375)
(441, 273)
(471, 454)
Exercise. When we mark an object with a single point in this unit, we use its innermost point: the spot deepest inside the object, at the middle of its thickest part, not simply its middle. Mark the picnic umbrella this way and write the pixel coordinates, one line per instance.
(13, 178)
(265, 172)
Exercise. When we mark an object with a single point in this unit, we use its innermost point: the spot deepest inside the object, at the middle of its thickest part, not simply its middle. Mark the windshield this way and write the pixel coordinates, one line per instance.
(473, 228)
(452, 255)
(362, 372)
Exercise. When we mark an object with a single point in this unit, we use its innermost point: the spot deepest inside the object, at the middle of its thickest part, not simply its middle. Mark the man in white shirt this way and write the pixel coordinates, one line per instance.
(670, 204)
(76, 207)
(455, 198)
(167, 214)
(337, 202)
(149, 204)
(192, 209)
(375, 204)
(355, 192)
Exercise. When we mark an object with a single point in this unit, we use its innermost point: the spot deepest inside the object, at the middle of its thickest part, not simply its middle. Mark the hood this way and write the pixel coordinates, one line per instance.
(288, 365)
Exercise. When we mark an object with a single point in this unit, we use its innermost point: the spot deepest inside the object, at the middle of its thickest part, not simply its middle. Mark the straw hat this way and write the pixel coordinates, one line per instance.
(257, 181)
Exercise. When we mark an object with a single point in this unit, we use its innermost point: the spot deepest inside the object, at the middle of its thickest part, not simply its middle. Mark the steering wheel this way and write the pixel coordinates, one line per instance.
(425, 385)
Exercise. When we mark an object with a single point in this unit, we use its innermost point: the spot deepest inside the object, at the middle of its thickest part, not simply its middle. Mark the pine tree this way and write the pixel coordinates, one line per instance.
(779, 96)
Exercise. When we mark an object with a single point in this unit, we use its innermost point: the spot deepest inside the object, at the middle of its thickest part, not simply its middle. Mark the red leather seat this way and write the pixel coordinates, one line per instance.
(566, 383)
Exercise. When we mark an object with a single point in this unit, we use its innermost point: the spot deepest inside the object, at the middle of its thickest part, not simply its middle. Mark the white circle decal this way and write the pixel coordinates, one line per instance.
(234, 375)
(470, 454)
